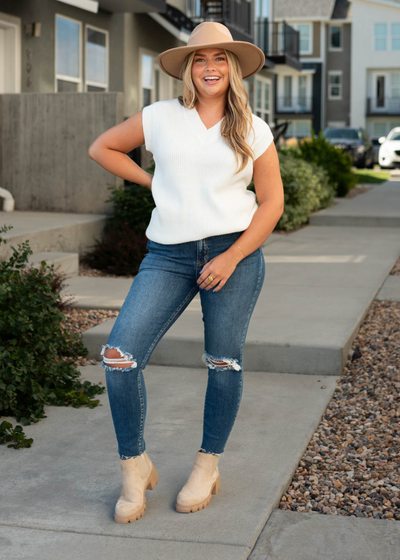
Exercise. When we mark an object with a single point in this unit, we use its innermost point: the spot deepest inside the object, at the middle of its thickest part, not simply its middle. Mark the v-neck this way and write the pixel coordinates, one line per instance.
(199, 128)
(200, 119)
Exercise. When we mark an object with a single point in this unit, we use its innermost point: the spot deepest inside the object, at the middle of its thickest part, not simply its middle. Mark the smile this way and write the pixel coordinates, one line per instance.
(211, 79)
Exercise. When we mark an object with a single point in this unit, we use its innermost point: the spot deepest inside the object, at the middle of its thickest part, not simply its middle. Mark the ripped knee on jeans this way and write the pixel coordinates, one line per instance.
(220, 363)
(115, 359)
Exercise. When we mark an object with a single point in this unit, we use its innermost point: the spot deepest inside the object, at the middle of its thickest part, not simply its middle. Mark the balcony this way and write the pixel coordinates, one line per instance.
(383, 106)
(279, 44)
(236, 16)
(290, 105)
(133, 6)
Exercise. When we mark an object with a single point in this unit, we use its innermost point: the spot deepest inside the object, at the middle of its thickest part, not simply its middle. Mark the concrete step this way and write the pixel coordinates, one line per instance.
(51, 231)
(379, 207)
(74, 457)
(97, 293)
(319, 285)
(66, 262)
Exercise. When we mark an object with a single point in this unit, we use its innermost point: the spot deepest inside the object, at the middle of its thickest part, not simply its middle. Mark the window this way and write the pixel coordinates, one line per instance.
(156, 85)
(193, 8)
(68, 54)
(287, 91)
(305, 37)
(335, 40)
(379, 130)
(263, 99)
(380, 35)
(335, 84)
(395, 85)
(96, 59)
(303, 92)
(298, 129)
(395, 33)
(380, 91)
(261, 9)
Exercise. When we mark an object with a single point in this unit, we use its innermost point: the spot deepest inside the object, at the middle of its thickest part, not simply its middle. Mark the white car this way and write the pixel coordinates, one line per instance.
(389, 150)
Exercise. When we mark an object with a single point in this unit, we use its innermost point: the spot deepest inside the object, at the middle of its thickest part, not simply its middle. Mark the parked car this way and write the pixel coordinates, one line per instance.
(389, 150)
(354, 141)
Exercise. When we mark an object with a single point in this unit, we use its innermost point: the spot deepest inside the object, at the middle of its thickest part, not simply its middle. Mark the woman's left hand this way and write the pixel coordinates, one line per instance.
(220, 268)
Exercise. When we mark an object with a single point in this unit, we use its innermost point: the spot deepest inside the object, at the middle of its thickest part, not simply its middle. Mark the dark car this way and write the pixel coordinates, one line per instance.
(354, 141)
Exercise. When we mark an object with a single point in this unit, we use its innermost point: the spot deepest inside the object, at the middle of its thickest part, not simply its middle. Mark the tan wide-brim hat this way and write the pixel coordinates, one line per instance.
(207, 35)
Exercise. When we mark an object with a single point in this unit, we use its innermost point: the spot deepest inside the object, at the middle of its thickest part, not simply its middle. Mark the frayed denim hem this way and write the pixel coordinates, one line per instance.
(125, 457)
(209, 452)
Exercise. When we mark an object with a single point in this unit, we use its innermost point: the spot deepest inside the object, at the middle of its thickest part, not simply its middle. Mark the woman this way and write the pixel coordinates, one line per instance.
(205, 234)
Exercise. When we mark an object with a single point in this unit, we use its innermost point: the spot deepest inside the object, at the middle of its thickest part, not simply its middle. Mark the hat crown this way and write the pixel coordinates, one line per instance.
(209, 32)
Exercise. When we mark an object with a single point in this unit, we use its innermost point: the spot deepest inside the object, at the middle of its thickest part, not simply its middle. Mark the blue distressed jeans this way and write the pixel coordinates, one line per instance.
(162, 289)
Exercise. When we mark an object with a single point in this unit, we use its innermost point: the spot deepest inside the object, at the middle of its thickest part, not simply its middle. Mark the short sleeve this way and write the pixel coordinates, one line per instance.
(148, 121)
(263, 136)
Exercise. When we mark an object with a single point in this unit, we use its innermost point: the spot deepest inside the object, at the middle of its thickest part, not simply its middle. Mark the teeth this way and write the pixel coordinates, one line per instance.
(209, 78)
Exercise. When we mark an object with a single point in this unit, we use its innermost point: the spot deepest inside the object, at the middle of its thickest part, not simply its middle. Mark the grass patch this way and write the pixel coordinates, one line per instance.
(366, 176)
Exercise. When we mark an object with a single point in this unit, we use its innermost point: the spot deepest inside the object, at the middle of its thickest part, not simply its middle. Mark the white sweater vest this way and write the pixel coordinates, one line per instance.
(195, 188)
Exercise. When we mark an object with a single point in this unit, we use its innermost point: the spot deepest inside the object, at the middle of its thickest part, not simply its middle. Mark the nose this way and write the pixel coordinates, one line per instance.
(210, 65)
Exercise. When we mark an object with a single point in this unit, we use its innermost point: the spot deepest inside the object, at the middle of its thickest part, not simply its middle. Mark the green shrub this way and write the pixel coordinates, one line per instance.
(37, 355)
(335, 161)
(306, 189)
(120, 250)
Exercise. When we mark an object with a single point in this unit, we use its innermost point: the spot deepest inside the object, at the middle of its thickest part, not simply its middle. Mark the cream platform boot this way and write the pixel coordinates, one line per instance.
(138, 475)
(203, 481)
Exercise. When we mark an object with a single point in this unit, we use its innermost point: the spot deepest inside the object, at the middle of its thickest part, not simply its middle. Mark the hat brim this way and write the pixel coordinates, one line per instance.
(251, 58)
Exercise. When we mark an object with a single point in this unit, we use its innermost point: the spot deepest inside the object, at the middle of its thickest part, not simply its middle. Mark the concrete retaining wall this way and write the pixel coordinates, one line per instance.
(44, 141)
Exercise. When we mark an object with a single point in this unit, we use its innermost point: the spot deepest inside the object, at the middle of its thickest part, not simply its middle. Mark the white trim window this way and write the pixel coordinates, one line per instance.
(10, 56)
(395, 36)
(96, 59)
(335, 38)
(380, 36)
(335, 78)
(68, 56)
(155, 85)
(262, 98)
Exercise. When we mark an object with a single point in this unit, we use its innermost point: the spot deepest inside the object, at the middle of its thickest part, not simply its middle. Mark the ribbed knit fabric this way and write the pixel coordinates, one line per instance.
(195, 189)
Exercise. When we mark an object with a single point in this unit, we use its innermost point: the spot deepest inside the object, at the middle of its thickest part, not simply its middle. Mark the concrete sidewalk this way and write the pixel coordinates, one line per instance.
(60, 493)
(379, 207)
(319, 284)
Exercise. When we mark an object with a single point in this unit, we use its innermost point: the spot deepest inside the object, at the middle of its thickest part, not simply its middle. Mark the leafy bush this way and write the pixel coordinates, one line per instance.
(37, 355)
(335, 161)
(120, 251)
(306, 189)
(123, 244)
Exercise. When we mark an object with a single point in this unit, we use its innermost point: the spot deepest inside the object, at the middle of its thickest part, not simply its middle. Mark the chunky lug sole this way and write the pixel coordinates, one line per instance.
(201, 505)
(134, 516)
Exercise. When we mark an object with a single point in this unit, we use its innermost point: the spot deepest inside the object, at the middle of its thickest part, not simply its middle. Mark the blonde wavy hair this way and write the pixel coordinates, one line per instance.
(238, 120)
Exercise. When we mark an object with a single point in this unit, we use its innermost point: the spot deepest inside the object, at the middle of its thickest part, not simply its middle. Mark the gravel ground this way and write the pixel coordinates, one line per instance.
(352, 463)
(80, 320)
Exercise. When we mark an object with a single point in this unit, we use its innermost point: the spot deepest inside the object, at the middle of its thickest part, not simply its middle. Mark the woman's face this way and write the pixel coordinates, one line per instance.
(210, 62)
